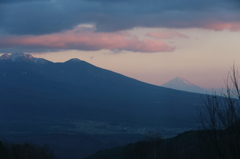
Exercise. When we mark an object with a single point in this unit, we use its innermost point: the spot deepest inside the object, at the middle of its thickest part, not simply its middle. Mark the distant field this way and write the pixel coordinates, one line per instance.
(71, 126)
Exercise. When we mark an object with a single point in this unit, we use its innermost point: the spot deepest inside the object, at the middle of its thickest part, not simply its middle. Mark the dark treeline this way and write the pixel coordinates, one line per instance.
(24, 151)
(188, 145)
(183, 146)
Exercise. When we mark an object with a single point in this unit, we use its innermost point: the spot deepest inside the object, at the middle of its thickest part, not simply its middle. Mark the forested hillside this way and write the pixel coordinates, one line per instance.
(24, 151)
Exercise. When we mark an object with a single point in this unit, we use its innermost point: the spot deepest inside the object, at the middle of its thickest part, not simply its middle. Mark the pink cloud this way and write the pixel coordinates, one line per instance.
(166, 35)
(149, 45)
(86, 40)
(219, 26)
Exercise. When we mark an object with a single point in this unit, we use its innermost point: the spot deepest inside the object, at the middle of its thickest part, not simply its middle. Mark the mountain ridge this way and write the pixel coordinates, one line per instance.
(180, 83)
(75, 97)
(22, 57)
(58, 70)
(106, 88)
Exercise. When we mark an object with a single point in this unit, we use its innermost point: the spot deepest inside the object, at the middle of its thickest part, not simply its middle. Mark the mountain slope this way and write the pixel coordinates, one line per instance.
(41, 97)
(80, 90)
(182, 84)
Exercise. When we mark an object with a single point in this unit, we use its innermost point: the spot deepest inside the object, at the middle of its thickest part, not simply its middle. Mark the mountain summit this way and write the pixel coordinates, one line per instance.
(22, 57)
(47, 102)
(17, 57)
(80, 90)
(183, 84)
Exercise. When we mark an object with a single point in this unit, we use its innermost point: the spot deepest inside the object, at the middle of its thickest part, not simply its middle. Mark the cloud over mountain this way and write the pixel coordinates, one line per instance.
(164, 35)
(85, 39)
(46, 17)
(51, 24)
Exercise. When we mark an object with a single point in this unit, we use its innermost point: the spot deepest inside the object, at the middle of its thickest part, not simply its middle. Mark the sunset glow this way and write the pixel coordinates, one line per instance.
(152, 42)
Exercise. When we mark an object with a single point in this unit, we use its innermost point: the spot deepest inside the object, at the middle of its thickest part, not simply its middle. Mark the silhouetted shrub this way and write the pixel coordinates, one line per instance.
(24, 151)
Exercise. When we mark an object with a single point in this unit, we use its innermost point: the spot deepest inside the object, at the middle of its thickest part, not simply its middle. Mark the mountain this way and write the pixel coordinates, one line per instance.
(182, 84)
(40, 98)
(21, 57)
(80, 90)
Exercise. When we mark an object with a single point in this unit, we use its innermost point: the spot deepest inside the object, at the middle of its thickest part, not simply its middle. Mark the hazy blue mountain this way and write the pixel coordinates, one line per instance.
(78, 89)
(182, 84)
(41, 97)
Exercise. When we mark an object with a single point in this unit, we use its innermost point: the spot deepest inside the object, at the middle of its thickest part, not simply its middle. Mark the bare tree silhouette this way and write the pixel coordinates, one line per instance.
(219, 120)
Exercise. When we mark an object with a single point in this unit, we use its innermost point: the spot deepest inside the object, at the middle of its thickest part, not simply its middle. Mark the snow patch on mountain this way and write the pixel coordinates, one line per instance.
(21, 57)
(5, 57)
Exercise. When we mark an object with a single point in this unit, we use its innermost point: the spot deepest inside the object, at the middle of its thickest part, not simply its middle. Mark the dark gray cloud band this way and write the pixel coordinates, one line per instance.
(31, 17)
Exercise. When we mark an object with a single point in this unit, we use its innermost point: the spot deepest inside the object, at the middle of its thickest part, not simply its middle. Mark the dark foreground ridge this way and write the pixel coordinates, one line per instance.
(183, 146)
(187, 145)
(24, 151)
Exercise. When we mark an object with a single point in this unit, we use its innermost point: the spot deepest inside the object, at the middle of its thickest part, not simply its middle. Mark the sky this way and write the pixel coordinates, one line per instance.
(150, 40)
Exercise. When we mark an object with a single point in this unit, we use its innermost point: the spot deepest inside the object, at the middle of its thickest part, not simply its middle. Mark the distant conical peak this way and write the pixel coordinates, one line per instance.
(180, 83)
(181, 79)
